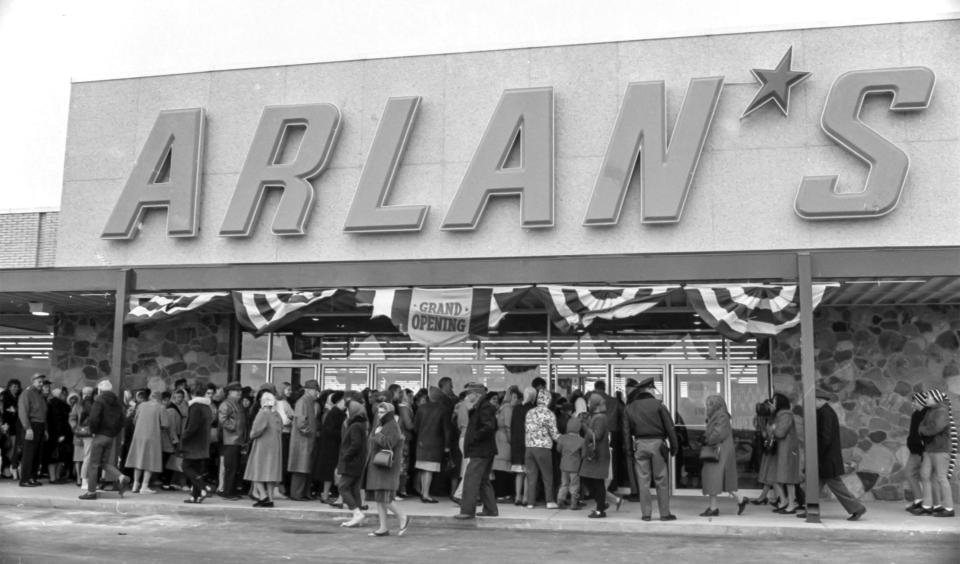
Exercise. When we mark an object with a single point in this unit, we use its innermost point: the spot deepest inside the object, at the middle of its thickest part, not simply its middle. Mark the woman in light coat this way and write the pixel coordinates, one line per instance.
(146, 450)
(264, 462)
(721, 475)
(382, 482)
(787, 458)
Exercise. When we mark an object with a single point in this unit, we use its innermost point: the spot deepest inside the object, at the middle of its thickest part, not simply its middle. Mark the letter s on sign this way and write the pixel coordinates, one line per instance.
(817, 198)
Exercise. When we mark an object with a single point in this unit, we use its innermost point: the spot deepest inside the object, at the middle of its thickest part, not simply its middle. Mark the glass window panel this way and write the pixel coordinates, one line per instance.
(462, 351)
(407, 377)
(509, 348)
(638, 373)
(295, 375)
(496, 377)
(282, 346)
(252, 374)
(345, 377)
(571, 377)
(253, 348)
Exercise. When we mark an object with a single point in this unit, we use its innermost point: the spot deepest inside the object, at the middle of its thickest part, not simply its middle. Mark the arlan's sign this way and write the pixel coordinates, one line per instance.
(168, 171)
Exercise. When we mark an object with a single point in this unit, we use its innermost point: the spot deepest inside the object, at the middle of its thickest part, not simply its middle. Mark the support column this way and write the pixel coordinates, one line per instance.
(809, 385)
(125, 282)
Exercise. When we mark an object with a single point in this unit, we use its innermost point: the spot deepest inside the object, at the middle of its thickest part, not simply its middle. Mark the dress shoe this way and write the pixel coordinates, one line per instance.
(379, 534)
(266, 503)
(759, 501)
(946, 513)
(914, 505)
(88, 495)
(786, 511)
(428, 500)
(464, 517)
(485, 514)
(597, 514)
(857, 514)
(922, 511)
(710, 513)
(742, 505)
(645, 518)
(28, 485)
(456, 500)
(668, 517)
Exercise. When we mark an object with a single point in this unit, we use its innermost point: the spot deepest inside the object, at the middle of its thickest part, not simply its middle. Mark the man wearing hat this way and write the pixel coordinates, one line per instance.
(32, 410)
(830, 458)
(648, 429)
(479, 449)
(233, 424)
(303, 435)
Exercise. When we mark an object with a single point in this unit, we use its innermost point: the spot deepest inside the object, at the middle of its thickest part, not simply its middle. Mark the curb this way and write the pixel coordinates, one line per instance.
(682, 527)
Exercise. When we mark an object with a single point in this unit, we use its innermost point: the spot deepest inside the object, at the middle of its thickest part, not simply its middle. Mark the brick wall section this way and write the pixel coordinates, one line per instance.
(47, 239)
(28, 239)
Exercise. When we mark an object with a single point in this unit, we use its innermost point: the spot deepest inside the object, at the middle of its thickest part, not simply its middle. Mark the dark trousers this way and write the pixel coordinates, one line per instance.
(30, 463)
(349, 487)
(193, 470)
(843, 495)
(299, 486)
(103, 455)
(598, 491)
(285, 453)
(230, 459)
(476, 482)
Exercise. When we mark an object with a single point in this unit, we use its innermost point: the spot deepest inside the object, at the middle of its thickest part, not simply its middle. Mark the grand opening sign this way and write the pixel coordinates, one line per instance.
(514, 158)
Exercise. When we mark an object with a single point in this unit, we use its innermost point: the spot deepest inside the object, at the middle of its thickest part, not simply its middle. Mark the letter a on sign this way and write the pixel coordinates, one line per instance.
(166, 175)
(523, 116)
(263, 168)
(817, 197)
(640, 136)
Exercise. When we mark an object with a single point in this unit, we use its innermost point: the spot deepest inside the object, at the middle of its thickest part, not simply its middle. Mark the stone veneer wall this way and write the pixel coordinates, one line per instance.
(873, 359)
(193, 346)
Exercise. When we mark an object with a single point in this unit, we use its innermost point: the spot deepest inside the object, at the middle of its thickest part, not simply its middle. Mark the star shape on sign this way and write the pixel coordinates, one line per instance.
(775, 85)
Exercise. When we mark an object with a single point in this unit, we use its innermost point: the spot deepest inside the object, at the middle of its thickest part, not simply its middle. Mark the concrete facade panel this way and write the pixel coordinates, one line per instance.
(751, 165)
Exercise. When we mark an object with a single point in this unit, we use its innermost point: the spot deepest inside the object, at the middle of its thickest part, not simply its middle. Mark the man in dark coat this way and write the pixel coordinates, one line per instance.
(480, 447)
(830, 458)
(32, 410)
(233, 424)
(648, 431)
(106, 424)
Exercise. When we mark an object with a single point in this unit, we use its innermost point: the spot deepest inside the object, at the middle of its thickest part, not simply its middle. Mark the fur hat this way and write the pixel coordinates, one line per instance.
(936, 395)
(920, 398)
(311, 385)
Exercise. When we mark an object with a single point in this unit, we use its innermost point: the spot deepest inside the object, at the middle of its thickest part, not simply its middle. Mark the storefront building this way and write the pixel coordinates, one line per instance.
(819, 164)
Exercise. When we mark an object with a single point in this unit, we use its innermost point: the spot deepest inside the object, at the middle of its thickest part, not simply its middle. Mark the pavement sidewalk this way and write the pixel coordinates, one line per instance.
(883, 520)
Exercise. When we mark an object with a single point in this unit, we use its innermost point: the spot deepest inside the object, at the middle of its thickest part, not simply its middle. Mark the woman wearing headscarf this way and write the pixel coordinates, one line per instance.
(264, 461)
(787, 461)
(433, 436)
(720, 475)
(146, 450)
(595, 468)
(541, 432)
(382, 480)
(353, 456)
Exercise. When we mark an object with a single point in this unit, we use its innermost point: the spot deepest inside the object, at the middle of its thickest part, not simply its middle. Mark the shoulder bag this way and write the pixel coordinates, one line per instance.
(383, 458)
(710, 453)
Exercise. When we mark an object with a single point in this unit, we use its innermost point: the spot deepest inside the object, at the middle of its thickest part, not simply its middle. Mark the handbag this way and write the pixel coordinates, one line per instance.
(710, 453)
(770, 445)
(383, 458)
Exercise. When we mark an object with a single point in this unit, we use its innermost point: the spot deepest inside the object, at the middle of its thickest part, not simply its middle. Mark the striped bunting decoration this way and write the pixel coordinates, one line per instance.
(146, 308)
(442, 316)
(738, 311)
(573, 307)
(262, 312)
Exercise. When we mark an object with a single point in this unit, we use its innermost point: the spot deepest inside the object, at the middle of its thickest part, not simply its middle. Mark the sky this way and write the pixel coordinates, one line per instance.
(46, 45)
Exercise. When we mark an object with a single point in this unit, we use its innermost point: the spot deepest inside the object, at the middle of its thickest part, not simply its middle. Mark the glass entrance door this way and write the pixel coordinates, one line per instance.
(691, 385)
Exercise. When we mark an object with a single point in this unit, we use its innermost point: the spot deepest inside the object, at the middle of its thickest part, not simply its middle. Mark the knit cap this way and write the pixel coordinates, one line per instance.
(936, 395)
(573, 425)
(920, 397)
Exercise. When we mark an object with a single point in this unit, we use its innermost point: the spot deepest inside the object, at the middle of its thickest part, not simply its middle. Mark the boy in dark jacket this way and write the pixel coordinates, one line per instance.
(570, 446)
(106, 423)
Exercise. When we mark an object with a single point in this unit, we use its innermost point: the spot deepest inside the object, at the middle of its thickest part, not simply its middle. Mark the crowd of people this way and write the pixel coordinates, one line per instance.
(480, 447)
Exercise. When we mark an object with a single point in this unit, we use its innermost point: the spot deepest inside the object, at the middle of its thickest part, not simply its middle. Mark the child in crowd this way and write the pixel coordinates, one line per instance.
(570, 446)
